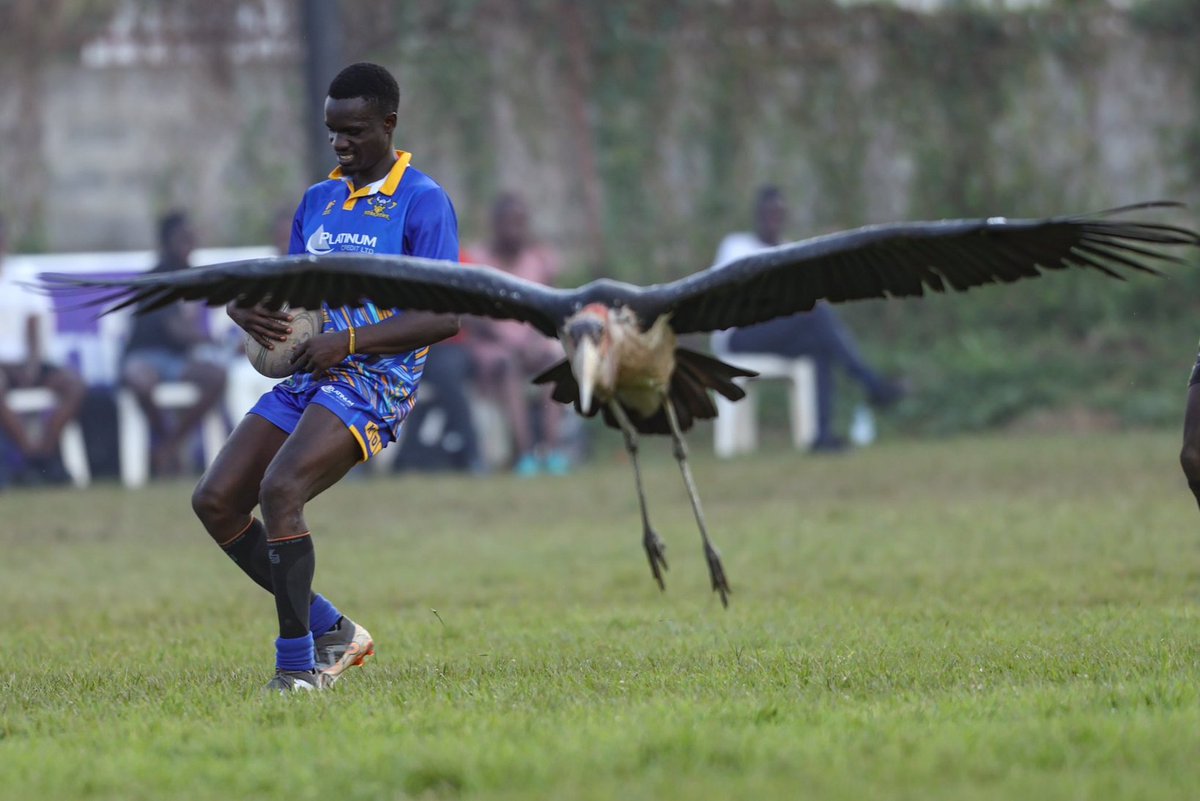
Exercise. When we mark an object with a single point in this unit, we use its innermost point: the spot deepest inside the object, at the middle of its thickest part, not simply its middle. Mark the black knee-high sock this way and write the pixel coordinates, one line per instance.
(248, 551)
(293, 563)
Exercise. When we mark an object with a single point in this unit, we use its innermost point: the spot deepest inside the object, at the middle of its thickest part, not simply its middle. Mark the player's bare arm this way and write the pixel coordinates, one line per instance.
(406, 332)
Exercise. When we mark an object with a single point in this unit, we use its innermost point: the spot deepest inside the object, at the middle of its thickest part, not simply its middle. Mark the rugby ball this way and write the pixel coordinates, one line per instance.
(277, 362)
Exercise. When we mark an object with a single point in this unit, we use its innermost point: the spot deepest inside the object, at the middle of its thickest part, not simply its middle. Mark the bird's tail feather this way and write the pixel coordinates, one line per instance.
(566, 388)
(695, 374)
(713, 373)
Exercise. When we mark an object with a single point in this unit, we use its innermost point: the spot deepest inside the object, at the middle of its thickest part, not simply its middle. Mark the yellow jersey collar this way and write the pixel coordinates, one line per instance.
(386, 185)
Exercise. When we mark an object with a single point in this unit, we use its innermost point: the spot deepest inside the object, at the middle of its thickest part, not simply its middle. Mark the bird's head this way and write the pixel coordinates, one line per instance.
(588, 341)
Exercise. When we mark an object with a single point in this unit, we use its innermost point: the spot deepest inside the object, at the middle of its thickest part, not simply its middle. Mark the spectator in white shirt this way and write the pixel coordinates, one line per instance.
(818, 334)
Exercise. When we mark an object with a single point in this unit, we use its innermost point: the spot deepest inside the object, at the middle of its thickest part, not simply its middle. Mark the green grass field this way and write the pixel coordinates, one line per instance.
(983, 618)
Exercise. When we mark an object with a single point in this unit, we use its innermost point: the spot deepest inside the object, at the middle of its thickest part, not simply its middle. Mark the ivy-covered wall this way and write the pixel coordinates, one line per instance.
(640, 130)
(862, 114)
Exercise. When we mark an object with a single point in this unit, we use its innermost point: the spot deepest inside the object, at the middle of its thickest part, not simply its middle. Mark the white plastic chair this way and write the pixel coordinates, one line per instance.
(243, 387)
(735, 430)
(135, 429)
(38, 400)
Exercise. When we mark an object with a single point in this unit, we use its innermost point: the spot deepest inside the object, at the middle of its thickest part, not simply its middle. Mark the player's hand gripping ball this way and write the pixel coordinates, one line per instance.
(276, 362)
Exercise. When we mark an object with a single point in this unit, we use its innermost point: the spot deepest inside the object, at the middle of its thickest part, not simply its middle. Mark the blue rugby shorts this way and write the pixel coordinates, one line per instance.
(282, 408)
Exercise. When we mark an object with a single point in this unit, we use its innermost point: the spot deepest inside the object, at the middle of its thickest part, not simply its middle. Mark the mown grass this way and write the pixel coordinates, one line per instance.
(985, 618)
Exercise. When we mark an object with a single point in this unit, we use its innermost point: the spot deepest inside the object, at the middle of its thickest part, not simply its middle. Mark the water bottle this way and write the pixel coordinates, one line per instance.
(862, 426)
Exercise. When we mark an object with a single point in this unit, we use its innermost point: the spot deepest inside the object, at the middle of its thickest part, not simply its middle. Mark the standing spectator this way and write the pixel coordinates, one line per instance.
(171, 344)
(818, 334)
(507, 354)
(25, 318)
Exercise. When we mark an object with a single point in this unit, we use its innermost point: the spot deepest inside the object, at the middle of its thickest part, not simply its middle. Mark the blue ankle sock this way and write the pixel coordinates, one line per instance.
(295, 653)
(322, 615)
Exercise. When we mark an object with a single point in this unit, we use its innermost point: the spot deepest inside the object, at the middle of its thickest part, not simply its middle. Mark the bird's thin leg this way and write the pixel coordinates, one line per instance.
(715, 569)
(656, 551)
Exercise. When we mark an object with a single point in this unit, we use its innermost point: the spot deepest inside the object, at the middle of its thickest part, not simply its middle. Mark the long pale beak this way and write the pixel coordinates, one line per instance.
(585, 363)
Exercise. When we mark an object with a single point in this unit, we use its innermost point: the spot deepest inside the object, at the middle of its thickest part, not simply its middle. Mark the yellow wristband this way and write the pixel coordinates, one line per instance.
(351, 340)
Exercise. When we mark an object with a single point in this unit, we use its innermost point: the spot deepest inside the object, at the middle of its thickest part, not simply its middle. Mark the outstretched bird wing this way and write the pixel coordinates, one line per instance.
(406, 282)
(897, 260)
(906, 259)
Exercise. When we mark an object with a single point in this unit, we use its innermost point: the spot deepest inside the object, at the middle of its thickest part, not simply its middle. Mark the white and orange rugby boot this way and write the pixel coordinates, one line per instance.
(344, 646)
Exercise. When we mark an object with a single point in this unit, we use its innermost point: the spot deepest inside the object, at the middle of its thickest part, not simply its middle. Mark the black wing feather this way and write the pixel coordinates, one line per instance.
(404, 282)
(898, 260)
(905, 260)
(694, 374)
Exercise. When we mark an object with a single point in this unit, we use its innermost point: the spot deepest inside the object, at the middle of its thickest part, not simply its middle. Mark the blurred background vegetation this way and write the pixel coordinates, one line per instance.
(639, 132)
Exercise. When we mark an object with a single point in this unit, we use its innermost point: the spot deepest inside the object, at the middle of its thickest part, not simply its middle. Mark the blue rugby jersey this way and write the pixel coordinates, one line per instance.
(405, 213)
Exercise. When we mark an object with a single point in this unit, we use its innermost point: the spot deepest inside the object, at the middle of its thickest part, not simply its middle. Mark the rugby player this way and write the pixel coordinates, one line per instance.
(357, 381)
(1189, 457)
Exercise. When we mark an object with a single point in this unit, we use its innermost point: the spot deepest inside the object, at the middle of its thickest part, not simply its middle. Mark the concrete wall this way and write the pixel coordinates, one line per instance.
(862, 114)
(130, 142)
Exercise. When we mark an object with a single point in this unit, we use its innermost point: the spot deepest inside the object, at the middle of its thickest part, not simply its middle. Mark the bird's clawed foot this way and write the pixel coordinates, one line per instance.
(656, 552)
(717, 571)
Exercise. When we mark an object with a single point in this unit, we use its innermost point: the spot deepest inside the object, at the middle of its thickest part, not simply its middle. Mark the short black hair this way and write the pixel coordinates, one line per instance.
(369, 81)
(168, 224)
(767, 194)
(504, 201)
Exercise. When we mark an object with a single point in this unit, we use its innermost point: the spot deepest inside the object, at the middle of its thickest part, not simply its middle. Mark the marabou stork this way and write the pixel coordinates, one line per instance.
(620, 339)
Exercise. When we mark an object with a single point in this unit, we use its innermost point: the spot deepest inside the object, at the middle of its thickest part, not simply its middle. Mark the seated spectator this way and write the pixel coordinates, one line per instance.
(448, 372)
(818, 334)
(25, 318)
(507, 354)
(444, 383)
(171, 344)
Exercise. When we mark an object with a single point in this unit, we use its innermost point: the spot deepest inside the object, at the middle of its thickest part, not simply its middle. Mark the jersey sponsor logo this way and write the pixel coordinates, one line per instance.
(335, 392)
(379, 206)
(318, 243)
(322, 242)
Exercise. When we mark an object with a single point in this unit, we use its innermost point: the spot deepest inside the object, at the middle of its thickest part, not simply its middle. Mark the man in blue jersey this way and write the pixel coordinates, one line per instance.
(357, 380)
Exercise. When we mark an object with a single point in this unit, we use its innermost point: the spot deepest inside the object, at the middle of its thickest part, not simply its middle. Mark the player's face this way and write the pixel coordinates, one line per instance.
(361, 138)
